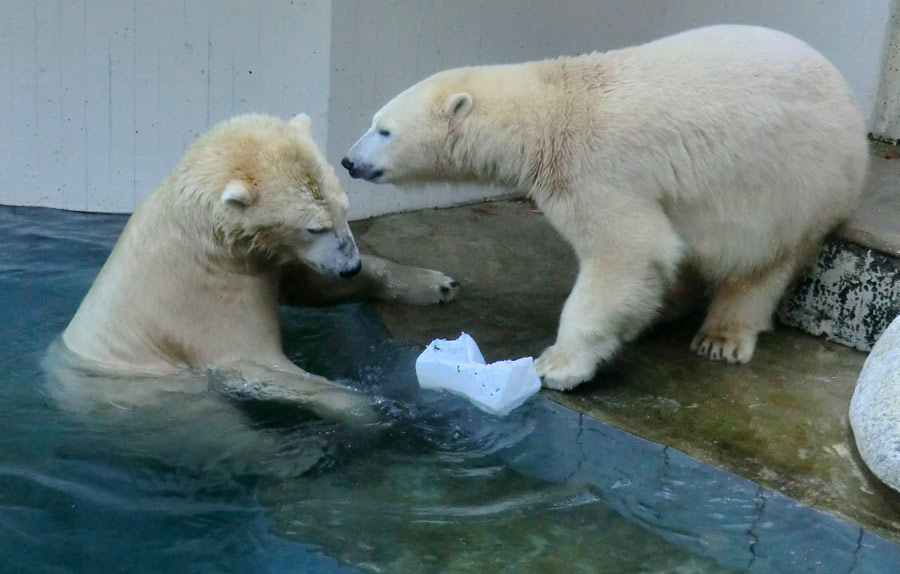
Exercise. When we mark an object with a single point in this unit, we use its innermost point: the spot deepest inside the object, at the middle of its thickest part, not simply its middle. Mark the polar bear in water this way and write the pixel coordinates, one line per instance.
(251, 215)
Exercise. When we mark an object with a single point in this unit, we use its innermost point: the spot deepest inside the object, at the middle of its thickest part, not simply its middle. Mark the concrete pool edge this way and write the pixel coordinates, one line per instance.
(713, 512)
(709, 512)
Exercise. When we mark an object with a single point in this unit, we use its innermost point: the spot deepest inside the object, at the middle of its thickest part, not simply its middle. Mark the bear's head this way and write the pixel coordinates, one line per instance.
(273, 197)
(412, 136)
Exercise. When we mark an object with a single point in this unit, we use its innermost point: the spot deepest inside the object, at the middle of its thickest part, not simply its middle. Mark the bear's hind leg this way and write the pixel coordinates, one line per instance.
(742, 307)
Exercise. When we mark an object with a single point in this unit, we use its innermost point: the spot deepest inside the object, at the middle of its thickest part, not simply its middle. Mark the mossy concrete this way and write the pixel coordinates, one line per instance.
(781, 420)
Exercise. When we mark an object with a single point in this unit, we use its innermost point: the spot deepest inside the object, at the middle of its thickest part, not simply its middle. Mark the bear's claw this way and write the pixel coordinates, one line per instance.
(417, 286)
(731, 347)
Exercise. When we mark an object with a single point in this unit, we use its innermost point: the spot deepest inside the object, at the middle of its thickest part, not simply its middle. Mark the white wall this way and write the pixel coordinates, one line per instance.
(853, 34)
(887, 118)
(380, 48)
(100, 98)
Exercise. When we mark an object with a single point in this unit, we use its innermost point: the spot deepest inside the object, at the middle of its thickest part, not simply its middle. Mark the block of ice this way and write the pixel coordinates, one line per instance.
(459, 367)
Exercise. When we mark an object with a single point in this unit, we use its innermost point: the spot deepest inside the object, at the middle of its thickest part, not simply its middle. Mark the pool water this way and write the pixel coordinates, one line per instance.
(201, 484)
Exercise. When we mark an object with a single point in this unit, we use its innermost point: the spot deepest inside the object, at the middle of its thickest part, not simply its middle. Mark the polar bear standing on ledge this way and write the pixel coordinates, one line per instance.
(731, 150)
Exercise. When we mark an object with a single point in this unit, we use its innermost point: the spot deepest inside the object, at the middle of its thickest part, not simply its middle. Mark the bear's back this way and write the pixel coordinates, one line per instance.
(722, 122)
(720, 68)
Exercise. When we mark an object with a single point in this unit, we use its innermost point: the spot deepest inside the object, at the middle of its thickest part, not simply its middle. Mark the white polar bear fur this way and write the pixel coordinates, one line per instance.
(731, 150)
(251, 213)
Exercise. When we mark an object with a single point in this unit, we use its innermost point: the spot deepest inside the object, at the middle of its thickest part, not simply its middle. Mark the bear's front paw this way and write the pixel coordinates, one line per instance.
(427, 287)
(562, 370)
(447, 288)
(732, 346)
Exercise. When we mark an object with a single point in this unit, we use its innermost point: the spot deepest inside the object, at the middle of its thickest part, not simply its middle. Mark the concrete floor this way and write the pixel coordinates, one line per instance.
(780, 421)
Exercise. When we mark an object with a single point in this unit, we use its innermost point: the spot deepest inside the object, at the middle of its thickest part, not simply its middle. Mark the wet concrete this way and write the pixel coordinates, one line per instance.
(780, 421)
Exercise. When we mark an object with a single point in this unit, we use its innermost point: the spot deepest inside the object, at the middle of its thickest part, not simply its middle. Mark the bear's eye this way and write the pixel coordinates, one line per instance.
(317, 230)
(384, 133)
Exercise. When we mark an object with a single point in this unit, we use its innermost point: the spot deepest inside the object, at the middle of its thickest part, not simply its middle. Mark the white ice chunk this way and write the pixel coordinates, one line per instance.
(458, 366)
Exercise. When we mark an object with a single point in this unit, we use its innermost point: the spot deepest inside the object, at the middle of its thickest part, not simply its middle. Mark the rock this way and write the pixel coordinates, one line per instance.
(875, 408)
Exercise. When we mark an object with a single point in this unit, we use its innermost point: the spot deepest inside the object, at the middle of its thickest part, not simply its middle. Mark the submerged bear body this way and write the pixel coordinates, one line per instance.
(252, 215)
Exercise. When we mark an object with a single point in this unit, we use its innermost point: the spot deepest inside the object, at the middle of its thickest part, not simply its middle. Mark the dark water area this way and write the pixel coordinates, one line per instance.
(200, 483)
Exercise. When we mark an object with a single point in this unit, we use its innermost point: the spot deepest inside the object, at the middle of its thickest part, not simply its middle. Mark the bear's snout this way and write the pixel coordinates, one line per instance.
(361, 170)
(349, 254)
(352, 168)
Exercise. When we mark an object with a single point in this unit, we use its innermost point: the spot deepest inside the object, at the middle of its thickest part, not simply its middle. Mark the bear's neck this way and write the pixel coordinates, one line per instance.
(516, 135)
(164, 300)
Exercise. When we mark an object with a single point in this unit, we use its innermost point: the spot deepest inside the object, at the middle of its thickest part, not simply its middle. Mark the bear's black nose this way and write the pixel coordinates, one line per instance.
(351, 272)
(347, 163)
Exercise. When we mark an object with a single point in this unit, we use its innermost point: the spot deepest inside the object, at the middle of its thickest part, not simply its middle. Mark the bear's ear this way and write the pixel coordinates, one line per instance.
(303, 124)
(458, 106)
(236, 195)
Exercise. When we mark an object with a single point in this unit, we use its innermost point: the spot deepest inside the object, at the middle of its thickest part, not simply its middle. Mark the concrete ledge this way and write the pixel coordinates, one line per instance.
(876, 223)
(780, 421)
(875, 408)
